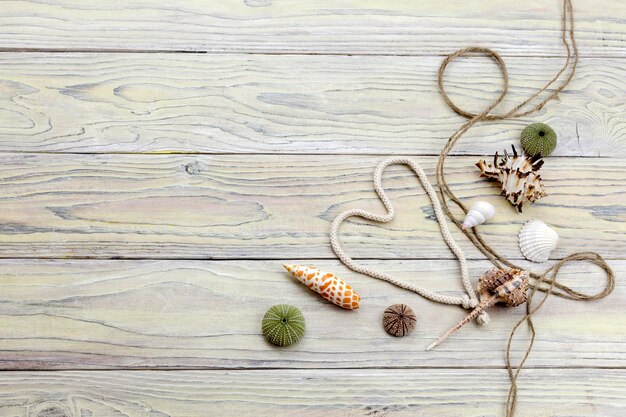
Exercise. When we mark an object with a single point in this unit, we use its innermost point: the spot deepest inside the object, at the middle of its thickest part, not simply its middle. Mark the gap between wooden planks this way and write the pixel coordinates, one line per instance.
(290, 26)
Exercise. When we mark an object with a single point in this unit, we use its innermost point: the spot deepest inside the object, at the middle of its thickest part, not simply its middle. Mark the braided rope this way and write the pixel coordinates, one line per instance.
(468, 300)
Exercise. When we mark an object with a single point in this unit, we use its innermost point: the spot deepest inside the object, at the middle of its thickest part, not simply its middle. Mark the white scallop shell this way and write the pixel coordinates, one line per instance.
(537, 240)
(480, 212)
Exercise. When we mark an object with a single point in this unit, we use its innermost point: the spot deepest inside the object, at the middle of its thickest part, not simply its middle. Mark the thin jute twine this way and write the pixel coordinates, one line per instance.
(547, 281)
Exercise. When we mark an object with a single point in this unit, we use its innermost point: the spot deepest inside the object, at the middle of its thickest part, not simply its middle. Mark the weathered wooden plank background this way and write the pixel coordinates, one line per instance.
(149, 195)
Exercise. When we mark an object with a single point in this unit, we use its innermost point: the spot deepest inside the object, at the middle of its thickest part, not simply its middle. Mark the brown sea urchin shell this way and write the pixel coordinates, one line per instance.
(399, 320)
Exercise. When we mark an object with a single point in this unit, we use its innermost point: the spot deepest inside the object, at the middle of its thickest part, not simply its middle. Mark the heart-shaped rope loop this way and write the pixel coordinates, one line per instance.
(468, 300)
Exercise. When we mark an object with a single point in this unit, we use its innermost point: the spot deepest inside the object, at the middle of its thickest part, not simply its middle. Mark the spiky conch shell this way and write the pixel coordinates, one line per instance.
(283, 325)
(537, 240)
(538, 139)
(513, 295)
(517, 175)
(509, 287)
(329, 286)
(480, 212)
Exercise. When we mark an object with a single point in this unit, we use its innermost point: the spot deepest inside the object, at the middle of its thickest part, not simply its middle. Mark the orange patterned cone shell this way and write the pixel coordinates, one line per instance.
(327, 285)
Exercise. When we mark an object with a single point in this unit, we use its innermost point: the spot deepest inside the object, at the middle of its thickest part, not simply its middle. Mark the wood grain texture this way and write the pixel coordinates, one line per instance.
(237, 207)
(315, 393)
(94, 164)
(345, 26)
(292, 104)
(198, 314)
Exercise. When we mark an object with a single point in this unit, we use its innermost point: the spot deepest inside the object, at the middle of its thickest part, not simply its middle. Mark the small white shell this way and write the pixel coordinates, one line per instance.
(479, 213)
(537, 240)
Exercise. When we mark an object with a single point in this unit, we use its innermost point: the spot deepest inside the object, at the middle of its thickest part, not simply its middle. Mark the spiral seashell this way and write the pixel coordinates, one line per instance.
(327, 285)
(509, 287)
(537, 240)
(399, 320)
(283, 325)
(538, 139)
(480, 212)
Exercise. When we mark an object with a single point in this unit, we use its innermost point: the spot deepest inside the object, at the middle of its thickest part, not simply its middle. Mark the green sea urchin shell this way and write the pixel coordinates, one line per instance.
(538, 139)
(283, 325)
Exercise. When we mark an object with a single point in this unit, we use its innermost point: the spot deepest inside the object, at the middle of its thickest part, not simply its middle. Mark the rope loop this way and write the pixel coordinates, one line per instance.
(474, 50)
(467, 300)
(468, 303)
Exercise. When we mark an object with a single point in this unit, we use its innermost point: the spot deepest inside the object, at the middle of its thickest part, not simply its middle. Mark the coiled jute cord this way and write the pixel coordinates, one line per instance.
(546, 282)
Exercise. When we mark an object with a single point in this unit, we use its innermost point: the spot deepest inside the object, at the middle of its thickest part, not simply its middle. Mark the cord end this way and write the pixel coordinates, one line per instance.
(432, 345)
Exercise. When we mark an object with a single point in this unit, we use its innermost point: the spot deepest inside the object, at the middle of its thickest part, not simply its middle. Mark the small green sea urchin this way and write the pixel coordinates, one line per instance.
(283, 325)
(538, 139)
